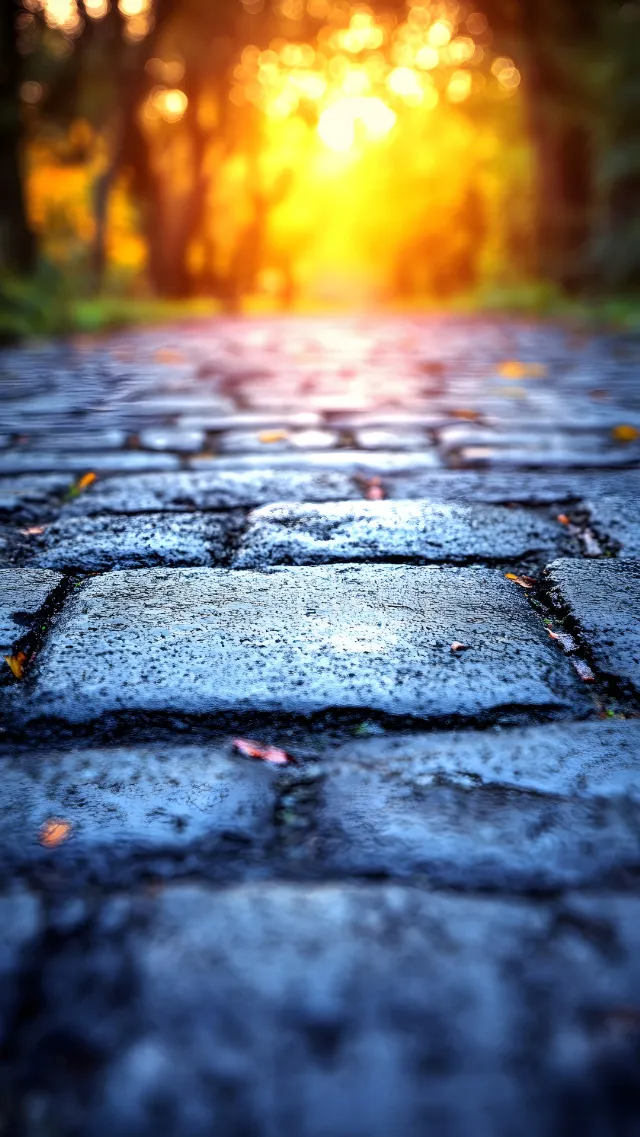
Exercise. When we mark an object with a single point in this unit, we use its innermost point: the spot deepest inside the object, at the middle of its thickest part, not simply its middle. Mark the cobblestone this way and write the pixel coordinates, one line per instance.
(339, 1009)
(100, 543)
(299, 641)
(426, 918)
(603, 598)
(384, 530)
(141, 804)
(23, 592)
(524, 809)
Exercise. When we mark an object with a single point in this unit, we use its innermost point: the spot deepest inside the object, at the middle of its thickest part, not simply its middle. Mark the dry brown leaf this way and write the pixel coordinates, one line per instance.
(273, 435)
(54, 832)
(33, 531)
(563, 519)
(16, 663)
(457, 646)
(85, 481)
(266, 753)
(523, 581)
(625, 433)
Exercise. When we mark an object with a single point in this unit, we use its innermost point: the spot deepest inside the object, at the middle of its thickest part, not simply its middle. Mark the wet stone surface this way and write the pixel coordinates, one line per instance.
(416, 909)
(217, 489)
(298, 641)
(603, 598)
(135, 805)
(538, 808)
(369, 531)
(373, 1009)
(23, 592)
(97, 544)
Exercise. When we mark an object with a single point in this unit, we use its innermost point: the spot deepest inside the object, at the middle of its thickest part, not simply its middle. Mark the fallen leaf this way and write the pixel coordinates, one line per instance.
(567, 642)
(584, 671)
(16, 663)
(523, 581)
(270, 754)
(54, 832)
(85, 481)
(513, 369)
(466, 414)
(563, 519)
(374, 489)
(625, 433)
(457, 646)
(273, 435)
(33, 531)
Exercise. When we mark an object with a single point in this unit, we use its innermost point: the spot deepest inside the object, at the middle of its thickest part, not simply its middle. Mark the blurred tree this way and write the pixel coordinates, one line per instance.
(17, 243)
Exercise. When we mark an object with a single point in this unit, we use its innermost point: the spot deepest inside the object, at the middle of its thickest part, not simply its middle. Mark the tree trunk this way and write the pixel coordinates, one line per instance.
(17, 241)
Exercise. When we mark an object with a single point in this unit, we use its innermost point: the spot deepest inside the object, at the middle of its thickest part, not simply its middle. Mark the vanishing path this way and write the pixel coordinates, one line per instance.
(406, 553)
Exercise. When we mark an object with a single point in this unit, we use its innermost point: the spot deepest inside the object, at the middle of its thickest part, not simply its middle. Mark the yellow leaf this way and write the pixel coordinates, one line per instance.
(16, 663)
(625, 433)
(85, 481)
(54, 832)
(273, 435)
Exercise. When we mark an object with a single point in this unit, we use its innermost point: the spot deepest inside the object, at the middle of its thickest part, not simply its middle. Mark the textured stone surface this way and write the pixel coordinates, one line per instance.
(134, 802)
(333, 1010)
(32, 495)
(616, 517)
(346, 461)
(23, 591)
(366, 531)
(264, 441)
(97, 544)
(496, 487)
(20, 921)
(299, 640)
(536, 808)
(172, 438)
(224, 489)
(39, 461)
(603, 597)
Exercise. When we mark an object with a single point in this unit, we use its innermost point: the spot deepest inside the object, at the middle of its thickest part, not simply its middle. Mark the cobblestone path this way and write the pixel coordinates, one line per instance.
(407, 554)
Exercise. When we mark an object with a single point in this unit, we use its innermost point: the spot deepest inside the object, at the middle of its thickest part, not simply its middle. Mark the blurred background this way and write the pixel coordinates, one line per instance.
(184, 156)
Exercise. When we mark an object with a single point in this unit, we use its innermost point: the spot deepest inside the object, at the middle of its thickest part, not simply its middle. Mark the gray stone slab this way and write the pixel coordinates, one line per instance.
(603, 597)
(544, 807)
(245, 420)
(126, 803)
(214, 490)
(347, 461)
(39, 461)
(617, 517)
(329, 1010)
(299, 640)
(23, 591)
(535, 451)
(30, 495)
(527, 488)
(386, 438)
(100, 543)
(20, 919)
(172, 438)
(383, 530)
(276, 440)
